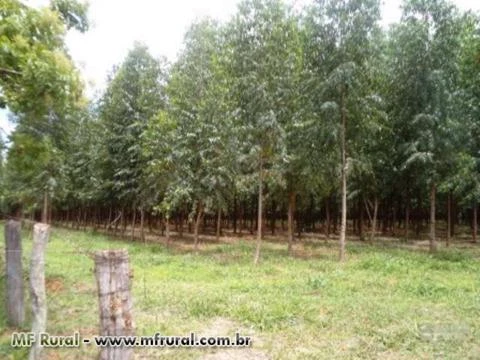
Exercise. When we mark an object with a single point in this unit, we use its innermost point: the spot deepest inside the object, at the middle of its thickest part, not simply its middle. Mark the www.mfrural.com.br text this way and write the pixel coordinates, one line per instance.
(27, 339)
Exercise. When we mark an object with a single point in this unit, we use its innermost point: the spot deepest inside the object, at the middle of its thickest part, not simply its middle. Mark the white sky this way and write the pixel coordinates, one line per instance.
(160, 24)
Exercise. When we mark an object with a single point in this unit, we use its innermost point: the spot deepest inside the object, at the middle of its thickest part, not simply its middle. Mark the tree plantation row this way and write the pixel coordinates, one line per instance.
(278, 119)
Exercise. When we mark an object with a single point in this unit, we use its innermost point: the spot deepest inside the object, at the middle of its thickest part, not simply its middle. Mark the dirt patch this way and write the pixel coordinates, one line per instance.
(53, 355)
(237, 354)
(90, 331)
(220, 327)
(225, 259)
(54, 285)
(226, 327)
(85, 288)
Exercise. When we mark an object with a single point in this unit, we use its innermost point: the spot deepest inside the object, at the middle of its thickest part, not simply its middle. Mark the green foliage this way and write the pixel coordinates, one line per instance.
(464, 179)
(426, 82)
(193, 143)
(134, 94)
(73, 13)
(263, 101)
(160, 171)
(38, 82)
(36, 74)
(34, 166)
(265, 65)
(82, 164)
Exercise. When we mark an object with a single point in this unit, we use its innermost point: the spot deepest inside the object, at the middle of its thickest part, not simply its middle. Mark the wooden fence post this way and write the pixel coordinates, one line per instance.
(37, 286)
(113, 276)
(15, 289)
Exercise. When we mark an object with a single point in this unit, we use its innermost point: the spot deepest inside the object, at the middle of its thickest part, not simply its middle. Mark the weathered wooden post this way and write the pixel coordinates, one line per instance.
(115, 301)
(15, 289)
(37, 286)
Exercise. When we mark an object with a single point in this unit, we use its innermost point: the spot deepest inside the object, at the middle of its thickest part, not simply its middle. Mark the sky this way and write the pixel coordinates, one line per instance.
(161, 25)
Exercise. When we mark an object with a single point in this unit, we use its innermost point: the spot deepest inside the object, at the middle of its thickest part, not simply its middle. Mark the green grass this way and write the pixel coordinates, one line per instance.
(386, 302)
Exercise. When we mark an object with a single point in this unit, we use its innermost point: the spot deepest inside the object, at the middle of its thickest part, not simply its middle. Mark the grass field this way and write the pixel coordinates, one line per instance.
(389, 301)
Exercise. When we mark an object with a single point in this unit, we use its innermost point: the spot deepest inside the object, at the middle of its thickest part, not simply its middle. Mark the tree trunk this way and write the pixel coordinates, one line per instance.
(142, 223)
(134, 218)
(291, 214)
(418, 219)
(67, 219)
(117, 222)
(243, 224)
(273, 219)
(298, 220)
(50, 216)
(95, 219)
(260, 212)
(167, 229)
(15, 288)
(474, 223)
(124, 222)
(374, 219)
(181, 224)
(85, 213)
(385, 220)
(328, 219)
(113, 277)
(234, 213)
(77, 221)
(252, 220)
(360, 220)
(449, 218)
(454, 218)
(343, 224)
(149, 222)
(45, 207)
(433, 242)
(394, 220)
(407, 218)
(107, 225)
(335, 218)
(197, 225)
(311, 216)
(37, 287)
(219, 224)
(255, 218)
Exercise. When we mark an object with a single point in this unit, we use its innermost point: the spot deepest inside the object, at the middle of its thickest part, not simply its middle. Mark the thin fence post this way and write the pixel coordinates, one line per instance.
(37, 286)
(113, 277)
(15, 287)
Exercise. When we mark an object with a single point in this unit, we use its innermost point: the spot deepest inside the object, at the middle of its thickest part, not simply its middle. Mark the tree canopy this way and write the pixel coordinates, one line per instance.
(315, 116)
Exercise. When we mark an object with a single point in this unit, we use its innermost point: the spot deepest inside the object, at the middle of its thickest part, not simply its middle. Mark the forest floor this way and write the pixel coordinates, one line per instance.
(390, 300)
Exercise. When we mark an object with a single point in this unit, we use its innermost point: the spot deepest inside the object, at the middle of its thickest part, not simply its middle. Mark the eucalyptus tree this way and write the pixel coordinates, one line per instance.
(306, 161)
(342, 36)
(265, 67)
(203, 143)
(426, 52)
(404, 102)
(34, 171)
(373, 171)
(134, 94)
(464, 180)
(288, 169)
(83, 158)
(39, 83)
(158, 141)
